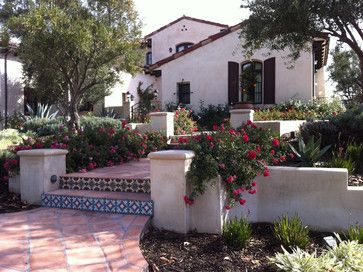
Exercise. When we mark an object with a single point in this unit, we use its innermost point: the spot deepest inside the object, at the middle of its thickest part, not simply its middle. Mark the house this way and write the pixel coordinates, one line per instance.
(191, 60)
(11, 84)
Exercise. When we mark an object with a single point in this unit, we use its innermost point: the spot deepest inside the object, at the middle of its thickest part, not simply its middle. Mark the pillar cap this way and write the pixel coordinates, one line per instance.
(241, 111)
(172, 155)
(161, 113)
(42, 152)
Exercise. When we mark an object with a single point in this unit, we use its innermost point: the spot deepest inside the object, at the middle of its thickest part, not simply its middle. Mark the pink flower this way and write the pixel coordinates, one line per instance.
(252, 192)
(245, 138)
(83, 170)
(251, 155)
(232, 132)
(222, 166)
(266, 173)
(282, 158)
(228, 207)
(210, 138)
(249, 122)
(275, 142)
(242, 201)
(5, 178)
(110, 164)
(215, 127)
(236, 192)
(253, 184)
(272, 152)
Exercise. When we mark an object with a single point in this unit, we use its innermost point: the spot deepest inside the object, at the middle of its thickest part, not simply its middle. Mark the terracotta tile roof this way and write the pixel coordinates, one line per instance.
(187, 18)
(208, 40)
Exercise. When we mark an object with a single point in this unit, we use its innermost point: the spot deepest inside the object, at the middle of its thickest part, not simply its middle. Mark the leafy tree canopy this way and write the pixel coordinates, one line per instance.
(344, 70)
(280, 24)
(73, 49)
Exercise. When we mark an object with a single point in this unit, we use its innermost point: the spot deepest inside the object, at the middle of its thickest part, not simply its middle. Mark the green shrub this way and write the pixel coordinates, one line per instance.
(237, 233)
(350, 123)
(212, 115)
(341, 159)
(44, 126)
(354, 233)
(310, 153)
(355, 153)
(291, 232)
(347, 256)
(9, 137)
(325, 130)
(95, 123)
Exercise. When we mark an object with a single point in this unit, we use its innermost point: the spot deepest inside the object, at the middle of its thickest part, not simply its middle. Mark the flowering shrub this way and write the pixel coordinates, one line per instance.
(90, 148)
(238, 156)
(299, 110)
(183, 122)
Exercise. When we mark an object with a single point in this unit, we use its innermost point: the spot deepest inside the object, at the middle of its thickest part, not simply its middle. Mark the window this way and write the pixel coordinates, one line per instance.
(251, 77)
(149, 58)
(183, 46)
(184, 93)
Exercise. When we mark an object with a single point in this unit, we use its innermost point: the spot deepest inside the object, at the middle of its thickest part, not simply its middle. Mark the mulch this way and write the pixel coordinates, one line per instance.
(168, 251)
(10, 202)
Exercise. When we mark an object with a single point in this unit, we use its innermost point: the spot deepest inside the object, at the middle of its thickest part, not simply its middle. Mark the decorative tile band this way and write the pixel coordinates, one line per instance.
(126, 206)
(106, 184)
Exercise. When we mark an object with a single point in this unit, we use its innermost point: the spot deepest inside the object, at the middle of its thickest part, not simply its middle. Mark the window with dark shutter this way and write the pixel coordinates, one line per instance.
(184, 93)
(233, 82)
(269, 80)
(251, 82)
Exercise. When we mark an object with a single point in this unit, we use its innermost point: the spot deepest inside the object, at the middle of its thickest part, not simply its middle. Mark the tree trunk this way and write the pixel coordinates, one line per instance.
(74, 121)
(361, 79)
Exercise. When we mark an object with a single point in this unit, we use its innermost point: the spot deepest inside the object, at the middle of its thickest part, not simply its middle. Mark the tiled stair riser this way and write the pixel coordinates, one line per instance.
(105, 184)
(135, 207)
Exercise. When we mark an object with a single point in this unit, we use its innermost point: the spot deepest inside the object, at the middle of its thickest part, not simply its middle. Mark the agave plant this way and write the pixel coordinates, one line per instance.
(310, 153)
(44, 111)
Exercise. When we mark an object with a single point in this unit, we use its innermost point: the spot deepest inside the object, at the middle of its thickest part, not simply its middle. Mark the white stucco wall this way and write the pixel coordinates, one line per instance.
(206, 69)
(15, 86)
(183, 31)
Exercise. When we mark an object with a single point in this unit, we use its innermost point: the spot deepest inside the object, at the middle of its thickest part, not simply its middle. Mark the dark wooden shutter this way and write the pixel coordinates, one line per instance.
(233, 82)
(269, 80)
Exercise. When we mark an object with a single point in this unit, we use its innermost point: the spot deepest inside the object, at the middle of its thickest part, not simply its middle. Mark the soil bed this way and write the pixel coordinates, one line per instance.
(168, 251)
(10, 202)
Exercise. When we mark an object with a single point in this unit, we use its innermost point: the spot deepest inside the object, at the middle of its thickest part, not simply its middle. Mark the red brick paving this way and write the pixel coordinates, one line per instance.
(48, 239)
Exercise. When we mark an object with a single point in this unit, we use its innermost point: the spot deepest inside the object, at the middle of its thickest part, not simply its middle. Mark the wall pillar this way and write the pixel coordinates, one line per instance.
(168, 187)
(36, 168)
(163, 121)
(240, 117)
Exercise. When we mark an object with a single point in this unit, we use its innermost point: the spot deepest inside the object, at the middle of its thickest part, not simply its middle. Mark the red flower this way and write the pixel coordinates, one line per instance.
(282, 158)
(232, 132)
(272, 152)
(275, 142)
(251, 155)
(188, 200)
(245, 138)
(222, 166)
(242, 201)
(266, 173)
(249, 122)
(252, 192)
(209, 138)
(253, 184)
(230, 179)
(215, 127)
(228, 207)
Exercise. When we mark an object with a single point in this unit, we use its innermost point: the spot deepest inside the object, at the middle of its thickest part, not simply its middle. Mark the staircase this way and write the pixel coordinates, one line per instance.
(122, 189)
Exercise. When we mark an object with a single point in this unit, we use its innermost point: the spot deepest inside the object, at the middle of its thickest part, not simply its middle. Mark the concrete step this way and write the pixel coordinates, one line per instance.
(102, 183)
(99, 201)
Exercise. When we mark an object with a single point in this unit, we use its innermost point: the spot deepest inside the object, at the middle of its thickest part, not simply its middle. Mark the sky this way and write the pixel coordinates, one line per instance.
(157, 13)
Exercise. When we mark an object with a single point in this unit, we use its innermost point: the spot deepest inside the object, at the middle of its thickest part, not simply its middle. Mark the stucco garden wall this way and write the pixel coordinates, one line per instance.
(206, 69)
(320, 197)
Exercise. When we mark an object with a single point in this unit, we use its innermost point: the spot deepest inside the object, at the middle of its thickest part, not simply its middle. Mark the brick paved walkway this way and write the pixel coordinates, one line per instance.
(47, 239)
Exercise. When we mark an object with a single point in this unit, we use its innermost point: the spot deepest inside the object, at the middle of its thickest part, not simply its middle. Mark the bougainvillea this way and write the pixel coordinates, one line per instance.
(238, 156)
(89, 149)
(183, 122)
